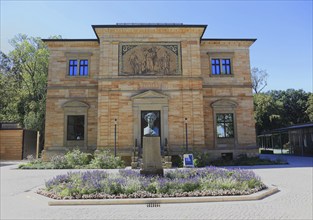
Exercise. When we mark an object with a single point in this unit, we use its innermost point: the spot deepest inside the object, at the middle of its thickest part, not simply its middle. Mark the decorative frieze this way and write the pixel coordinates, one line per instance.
(148, 59)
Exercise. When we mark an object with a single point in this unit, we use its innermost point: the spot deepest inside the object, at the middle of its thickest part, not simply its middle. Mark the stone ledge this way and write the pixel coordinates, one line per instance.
(256, 196)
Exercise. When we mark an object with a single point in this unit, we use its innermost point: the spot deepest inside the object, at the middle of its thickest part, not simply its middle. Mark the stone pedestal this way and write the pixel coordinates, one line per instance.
(152, 160)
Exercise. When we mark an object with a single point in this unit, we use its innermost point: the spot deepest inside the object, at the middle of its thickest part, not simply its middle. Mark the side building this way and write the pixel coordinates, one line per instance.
(99, 91)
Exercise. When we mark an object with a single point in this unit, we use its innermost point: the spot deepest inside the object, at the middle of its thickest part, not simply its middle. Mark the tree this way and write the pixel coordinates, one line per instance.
(267, 112)
(8, 91)
(309, 109)
(294, 105)
(259, 79)
(277, 108)
(23, 82)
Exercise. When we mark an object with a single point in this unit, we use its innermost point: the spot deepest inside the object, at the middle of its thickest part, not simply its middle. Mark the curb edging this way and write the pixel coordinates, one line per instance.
(256, 196)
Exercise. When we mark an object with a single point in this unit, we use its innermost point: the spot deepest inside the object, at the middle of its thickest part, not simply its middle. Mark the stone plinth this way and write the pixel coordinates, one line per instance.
(152, 160)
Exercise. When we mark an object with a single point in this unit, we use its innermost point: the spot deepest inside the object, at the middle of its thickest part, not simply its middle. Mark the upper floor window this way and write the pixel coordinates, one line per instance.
(220, 66)
(78, 67)
(216, 69)
(83, 67)
(226, 66)
(72, 68)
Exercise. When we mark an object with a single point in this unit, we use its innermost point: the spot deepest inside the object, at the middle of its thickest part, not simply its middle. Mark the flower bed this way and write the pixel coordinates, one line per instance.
(97, 184)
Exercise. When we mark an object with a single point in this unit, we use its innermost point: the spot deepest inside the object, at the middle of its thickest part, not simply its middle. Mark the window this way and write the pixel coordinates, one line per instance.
(220, 66)
(73, 67)
(216, 66)
(83, 67)
(225, 125)
(75, 127)
(75, 124)
(226, 66)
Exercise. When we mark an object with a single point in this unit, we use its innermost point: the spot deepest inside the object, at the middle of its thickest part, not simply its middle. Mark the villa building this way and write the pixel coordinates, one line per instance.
(100, 90)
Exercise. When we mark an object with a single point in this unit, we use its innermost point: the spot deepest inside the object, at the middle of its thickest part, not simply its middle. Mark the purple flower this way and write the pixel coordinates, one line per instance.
(178, 181)
(57, 180)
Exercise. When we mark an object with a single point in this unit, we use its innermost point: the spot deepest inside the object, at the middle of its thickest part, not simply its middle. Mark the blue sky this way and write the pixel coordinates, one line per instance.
(283, 28)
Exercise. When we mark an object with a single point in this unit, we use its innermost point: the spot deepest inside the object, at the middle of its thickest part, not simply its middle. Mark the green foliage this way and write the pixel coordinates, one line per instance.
(190, 186)
(8, 90)
(177, 161)
(267, 112)
(309, 109)
(39, 166)
(35, 164)
(246, 161)
(77, 159)
(294, 105)
(129, 183)
(277, 109)
(59, 162)
(201, 159)
(104, 159)
(266, 151)
(225, 184)
(152, 187)
(23, 82)
(133, 185)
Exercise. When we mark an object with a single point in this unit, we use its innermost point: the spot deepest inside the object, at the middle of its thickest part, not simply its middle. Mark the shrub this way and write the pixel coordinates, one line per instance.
(32, 160)
(133, 185)
(243, 160)
(267, 151)
(105, 160)
(59, 162)
(77, 159)
(34, 163)
(201, 159)
(177, 161)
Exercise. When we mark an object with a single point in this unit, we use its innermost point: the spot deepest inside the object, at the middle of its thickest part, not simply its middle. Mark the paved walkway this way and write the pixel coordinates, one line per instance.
(294, 201)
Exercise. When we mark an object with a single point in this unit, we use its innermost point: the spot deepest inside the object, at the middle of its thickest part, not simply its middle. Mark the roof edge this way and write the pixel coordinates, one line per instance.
(291, 127)
(69, 40)
(149, 26)
(229, 39)
(204, 26)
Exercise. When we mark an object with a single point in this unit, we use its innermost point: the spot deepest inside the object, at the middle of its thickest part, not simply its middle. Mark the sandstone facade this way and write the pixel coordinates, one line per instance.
(138, 68)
